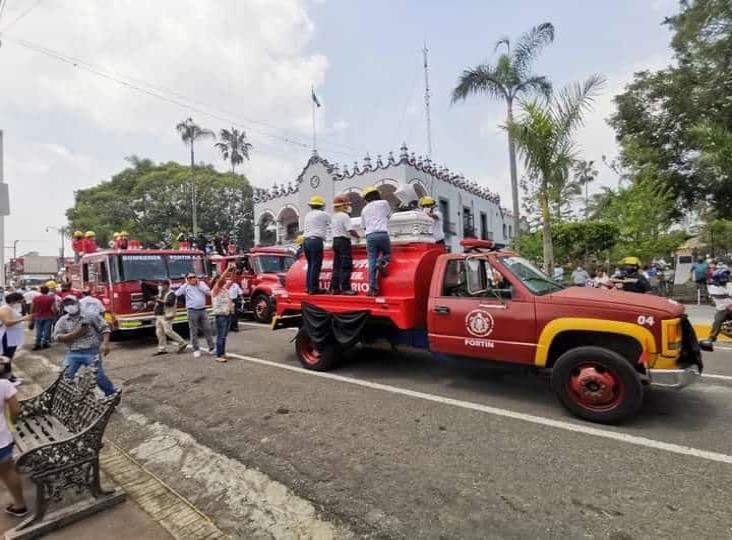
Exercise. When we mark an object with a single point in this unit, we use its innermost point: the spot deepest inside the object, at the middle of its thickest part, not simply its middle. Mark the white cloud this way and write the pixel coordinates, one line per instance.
(244, 58)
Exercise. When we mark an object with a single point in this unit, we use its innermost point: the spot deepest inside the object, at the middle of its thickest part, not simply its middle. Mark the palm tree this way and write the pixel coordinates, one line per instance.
(545, 137)
(234, 147)
(508, 79)
(584, 174)
(190, 132)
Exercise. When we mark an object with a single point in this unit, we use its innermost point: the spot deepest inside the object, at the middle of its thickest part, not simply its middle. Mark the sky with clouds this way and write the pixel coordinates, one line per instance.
(69, 123)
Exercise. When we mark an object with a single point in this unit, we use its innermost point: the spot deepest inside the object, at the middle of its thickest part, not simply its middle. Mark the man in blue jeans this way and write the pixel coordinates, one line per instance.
(87, 337)
(315, 230)
(375, 224)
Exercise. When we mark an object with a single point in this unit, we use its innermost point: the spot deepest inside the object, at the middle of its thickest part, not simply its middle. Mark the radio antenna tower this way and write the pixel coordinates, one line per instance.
(427, 101)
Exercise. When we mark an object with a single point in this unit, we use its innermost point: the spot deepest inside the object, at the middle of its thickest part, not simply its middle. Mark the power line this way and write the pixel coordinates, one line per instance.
(19, 17)
(168, 96)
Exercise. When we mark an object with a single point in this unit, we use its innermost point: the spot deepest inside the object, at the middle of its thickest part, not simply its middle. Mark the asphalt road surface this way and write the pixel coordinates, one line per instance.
(397, 444)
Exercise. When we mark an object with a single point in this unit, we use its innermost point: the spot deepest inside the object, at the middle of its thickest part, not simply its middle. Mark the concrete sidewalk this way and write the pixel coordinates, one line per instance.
(152, 510)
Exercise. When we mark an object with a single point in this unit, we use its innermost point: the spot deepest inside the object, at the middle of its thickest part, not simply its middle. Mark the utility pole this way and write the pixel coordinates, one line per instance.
(427, 101)
(3, 191)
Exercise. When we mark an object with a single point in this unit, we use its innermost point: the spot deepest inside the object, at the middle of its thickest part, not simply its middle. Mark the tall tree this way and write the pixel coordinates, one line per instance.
(544, 134)
(190, 132)
(509, 79)
(584, 174)
(670, 119)
(151, 202)
(234, 147)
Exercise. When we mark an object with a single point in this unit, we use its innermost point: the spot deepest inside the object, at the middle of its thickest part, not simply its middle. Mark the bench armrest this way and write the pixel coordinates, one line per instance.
(40, 403)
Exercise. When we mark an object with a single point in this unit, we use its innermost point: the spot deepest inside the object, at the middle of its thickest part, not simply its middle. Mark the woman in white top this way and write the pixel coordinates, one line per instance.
(375, 224)
(10, 409)
(223, 308)
(11, 327)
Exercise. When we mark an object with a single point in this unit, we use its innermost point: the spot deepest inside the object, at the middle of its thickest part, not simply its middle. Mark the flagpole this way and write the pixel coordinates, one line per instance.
(312, 103)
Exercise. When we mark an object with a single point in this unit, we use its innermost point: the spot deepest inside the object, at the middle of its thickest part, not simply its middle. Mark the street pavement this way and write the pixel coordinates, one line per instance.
(398, 444)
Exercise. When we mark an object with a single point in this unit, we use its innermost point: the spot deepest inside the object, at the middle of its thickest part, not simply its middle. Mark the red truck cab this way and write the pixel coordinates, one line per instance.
(261, 276)
(126, 281)
(603, 347)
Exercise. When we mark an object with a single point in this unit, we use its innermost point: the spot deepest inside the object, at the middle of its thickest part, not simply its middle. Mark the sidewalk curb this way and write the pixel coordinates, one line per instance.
(162, 503)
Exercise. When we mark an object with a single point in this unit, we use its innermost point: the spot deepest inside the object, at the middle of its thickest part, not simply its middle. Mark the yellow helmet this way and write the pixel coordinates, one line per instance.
(631, 261)
(90, 234)
(300, 240)
(78, 234)
(123, 233)
(51, 284)
(115, 235)
(316, 200)
(368, 190)
(426, 201)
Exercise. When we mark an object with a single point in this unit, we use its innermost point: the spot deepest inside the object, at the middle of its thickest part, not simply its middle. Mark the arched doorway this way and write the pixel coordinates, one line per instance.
(290, 223)
(267, 229)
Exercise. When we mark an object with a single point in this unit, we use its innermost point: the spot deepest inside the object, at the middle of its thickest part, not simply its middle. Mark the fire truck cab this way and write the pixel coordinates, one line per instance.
(602, 347)
(260, 273)
(126, 282)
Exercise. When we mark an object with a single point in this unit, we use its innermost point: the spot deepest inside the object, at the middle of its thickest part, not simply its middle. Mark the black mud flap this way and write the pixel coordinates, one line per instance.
(321, 325)
(690, 349)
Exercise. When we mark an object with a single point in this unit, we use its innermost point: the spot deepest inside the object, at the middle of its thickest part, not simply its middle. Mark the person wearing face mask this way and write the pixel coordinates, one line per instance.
(11, 317)
(87, 337)
(165, 310)
(631, 279)
(343, 231)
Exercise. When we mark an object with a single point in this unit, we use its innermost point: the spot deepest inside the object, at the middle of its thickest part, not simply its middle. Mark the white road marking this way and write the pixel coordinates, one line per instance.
(505, 413)
(261, 325)
(720, 377)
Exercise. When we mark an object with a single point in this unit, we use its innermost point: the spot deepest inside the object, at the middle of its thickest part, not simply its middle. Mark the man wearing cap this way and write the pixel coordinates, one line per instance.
(375, 223)
(428, 206)
(87, 337)
(315, 230)
(90, 242)
(343, 231)
(78, 245)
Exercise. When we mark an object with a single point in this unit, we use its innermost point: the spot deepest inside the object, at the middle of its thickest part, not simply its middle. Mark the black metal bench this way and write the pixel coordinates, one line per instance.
(58, 438)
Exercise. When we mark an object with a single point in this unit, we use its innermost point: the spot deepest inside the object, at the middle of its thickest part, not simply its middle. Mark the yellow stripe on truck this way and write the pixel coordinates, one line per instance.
(557, 326)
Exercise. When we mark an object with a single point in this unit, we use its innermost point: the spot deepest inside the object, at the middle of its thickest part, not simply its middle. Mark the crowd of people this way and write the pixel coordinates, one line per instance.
(630, 275)
(375, 226)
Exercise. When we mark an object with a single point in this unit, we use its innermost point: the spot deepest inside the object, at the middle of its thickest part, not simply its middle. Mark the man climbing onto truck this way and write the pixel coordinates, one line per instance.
(343, 231)
(428, 206)
(375, 224)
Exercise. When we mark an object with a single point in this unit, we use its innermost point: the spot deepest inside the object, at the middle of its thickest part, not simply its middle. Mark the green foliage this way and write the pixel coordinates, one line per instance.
(642, 214)
(678, 121)
(153, 203)
(717, 236)
(578, 241)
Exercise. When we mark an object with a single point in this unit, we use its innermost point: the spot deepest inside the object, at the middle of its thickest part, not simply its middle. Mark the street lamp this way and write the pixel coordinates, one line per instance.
(62, 234)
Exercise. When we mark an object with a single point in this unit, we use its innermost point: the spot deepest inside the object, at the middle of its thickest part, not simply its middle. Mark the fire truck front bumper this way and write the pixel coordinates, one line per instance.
(674, 378)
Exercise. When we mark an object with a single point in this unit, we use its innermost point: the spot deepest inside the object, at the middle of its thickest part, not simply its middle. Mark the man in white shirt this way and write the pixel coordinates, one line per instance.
(90, 305)
(315, 230)
(722, 296)
(580, 277)
(429, 207)
(28, 298)
(375, 224)
(235, 294)
(343, 231)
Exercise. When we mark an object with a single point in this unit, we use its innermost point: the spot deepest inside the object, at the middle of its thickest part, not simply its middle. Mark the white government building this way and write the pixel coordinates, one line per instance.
(468, 209)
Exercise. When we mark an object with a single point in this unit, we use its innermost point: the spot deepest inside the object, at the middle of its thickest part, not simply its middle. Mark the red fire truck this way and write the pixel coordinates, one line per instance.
(126, 281)
(261, 274)
(604, 347)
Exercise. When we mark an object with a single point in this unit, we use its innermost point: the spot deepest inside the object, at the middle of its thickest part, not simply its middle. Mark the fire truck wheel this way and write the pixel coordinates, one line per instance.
(597, 384)
(262, 308)
(316, 357)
